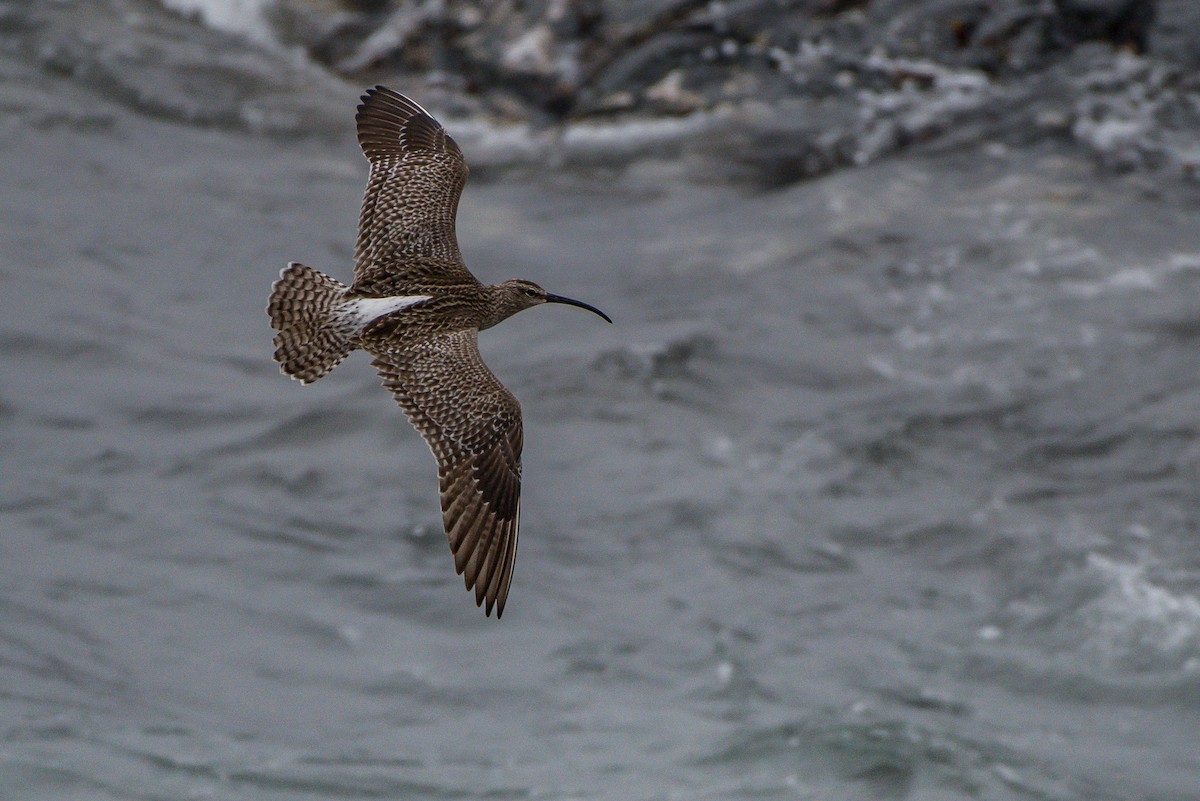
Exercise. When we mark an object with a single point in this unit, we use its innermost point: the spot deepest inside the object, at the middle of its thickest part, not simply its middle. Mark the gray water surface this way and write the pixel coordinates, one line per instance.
(883, 485)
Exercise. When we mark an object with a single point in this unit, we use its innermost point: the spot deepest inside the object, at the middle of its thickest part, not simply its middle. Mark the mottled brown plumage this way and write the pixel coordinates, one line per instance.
(418, 311)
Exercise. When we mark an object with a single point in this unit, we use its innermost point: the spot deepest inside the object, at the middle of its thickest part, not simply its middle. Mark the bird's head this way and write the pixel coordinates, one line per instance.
(518, 294)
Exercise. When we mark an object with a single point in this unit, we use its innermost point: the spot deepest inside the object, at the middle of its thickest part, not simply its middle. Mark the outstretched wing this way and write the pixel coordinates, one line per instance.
(406, 227)
(472, 424)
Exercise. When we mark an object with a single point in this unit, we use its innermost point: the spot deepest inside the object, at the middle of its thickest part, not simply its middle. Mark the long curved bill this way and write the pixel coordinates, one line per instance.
(572, 302)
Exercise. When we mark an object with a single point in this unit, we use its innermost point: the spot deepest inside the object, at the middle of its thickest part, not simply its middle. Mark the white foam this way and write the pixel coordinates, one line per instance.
(1136, 617)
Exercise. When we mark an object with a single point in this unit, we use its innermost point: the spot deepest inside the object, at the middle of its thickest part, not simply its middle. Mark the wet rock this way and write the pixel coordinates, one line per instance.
(575, 58)
(167, 65)
(670, 95)
(780, 91)
(1174, 33)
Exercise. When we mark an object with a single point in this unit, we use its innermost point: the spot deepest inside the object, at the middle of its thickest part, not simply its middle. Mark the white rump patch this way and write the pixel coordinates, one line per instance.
(364, 310)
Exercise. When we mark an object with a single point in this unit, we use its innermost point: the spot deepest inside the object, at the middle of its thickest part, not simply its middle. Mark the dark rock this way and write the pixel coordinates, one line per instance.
(1125, 23)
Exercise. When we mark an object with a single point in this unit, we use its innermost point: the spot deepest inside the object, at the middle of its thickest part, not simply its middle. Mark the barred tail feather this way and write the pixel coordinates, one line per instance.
(306, 308)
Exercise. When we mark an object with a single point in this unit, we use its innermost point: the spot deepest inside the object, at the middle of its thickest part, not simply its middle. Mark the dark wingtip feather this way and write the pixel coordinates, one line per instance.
(391, 124)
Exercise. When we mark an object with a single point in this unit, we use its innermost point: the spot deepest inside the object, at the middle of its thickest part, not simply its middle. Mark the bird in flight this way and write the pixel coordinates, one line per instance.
(417, 310)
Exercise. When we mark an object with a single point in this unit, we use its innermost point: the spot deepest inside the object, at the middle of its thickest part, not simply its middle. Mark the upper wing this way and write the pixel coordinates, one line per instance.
(406, 227)
(472, 424)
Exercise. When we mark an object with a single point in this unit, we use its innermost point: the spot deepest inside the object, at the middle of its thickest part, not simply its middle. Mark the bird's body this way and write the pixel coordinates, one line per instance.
(417, 310)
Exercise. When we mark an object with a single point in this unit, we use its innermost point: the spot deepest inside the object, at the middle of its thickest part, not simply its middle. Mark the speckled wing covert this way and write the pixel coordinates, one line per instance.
(472, 424)
(406, 238)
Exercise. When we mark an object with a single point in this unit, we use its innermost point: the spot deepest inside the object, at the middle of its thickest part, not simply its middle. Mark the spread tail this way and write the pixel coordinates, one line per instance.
(306, 308)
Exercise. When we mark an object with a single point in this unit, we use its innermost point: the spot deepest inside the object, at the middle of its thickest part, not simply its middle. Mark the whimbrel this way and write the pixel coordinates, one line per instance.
(418, 311)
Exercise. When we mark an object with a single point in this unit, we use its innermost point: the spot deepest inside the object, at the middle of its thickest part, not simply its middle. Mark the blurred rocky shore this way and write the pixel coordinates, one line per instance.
(754, 91)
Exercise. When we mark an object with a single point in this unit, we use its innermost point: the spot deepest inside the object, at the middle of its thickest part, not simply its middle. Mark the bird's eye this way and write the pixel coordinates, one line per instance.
(531, 292)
